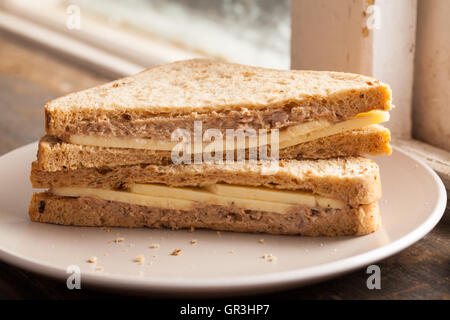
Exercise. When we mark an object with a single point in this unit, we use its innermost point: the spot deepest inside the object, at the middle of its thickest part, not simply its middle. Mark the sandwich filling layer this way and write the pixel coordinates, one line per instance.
(288, 137)
(55, 155)
(354, 180)
(246, 198)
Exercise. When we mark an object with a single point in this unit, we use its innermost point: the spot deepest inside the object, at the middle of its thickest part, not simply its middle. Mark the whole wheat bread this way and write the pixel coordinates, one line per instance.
(222, 95)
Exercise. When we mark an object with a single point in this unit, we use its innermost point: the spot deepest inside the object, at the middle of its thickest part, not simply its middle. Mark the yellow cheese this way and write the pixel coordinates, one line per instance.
(173, 202)
(124, 196)
(292, 136)
(282, 196)
(115, 142)
(263, 194)
(288, 137)
(215, 193)
(148, 144)
(183, 193)
(202, 195)
(247, 198)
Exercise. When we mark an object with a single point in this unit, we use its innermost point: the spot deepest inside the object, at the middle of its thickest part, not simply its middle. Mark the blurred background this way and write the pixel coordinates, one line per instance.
(151, 32)
(251, 32)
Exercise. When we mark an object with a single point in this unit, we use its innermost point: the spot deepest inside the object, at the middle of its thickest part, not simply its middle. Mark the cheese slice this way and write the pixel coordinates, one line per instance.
(183, 193)
(293, 136)
(290, 136)
(173, 202)
(202, 195)
(283, 196)
(124, 196)
(116, 142)
(177, 198)
(235, 193)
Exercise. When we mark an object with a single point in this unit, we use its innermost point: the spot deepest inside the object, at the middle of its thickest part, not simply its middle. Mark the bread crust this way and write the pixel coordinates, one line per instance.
(355, 180)
(85, 211)
(153, 103)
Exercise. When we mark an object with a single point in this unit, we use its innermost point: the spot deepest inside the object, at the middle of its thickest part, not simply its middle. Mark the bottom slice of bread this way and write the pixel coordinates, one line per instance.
(87, 211)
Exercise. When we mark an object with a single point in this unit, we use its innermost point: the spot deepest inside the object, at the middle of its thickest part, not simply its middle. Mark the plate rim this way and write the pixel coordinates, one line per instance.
(245, 283)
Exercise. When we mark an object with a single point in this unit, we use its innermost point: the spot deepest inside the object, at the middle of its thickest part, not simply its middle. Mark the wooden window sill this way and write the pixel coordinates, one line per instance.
(437, 159)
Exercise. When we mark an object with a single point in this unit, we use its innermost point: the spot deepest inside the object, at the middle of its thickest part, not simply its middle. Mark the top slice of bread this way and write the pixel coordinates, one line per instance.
(201, 86)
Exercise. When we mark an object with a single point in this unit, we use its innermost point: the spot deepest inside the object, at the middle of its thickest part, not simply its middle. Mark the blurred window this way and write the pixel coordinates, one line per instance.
(255, 32)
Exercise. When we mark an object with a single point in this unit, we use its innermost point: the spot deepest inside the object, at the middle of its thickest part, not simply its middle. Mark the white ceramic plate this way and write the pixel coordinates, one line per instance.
(413, 202)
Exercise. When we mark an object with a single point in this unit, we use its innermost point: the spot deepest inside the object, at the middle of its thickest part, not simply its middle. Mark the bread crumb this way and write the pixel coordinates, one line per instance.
(261, 241)
(218, 233)
(139, 259)
(176, 252)
(99, 268)
(270, 257)
(365, 32)
(231, 251)
(155, 256)
(194, 241)
(119, 239)
(192, 229)
(106, 254)
(154, 246)
(106, 229)
(92, 260)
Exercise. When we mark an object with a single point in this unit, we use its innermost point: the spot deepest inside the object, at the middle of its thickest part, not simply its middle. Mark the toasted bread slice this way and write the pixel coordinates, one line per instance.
(354, 180)
(88, 211)
(153, 103)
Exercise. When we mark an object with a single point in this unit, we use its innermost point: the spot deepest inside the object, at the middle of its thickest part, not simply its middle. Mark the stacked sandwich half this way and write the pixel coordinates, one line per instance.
(108, 158)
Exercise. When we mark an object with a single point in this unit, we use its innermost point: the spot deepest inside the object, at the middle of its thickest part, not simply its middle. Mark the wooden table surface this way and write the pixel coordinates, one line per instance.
(31, 76)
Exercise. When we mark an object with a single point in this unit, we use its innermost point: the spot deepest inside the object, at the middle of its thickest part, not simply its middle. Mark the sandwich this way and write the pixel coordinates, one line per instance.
(108, 156)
